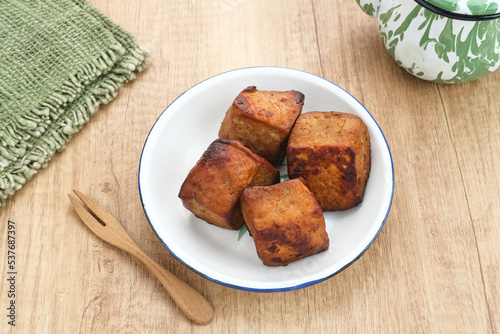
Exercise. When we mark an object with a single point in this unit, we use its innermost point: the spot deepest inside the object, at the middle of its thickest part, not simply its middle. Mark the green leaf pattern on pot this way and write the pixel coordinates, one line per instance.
(468, 7)
(436, 48)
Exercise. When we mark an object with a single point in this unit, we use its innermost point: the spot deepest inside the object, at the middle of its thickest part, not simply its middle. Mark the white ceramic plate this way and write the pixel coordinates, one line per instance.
(184, 131)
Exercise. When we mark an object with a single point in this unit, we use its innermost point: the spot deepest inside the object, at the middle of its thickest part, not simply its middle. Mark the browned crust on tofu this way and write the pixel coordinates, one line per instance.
(285, 222)
(213, 187)
(330, 153)
(262, 120)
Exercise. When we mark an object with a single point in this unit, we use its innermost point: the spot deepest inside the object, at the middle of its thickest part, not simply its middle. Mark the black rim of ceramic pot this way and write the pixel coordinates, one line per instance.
(456, 16)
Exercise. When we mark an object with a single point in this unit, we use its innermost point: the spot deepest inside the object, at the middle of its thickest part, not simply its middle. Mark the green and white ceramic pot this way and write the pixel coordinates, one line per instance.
(443, 41)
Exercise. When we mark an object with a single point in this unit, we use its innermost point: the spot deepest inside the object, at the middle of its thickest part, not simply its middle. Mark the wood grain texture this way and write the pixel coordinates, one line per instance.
(433, 269)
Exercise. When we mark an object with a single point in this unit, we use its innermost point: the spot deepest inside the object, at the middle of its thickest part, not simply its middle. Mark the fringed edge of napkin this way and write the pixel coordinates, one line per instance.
(67, 109)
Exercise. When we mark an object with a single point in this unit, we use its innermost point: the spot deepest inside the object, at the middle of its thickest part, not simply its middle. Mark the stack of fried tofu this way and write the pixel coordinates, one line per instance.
(235, 182)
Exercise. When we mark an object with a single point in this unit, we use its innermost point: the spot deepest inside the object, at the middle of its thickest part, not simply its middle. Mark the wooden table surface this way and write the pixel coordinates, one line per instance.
(433, 269)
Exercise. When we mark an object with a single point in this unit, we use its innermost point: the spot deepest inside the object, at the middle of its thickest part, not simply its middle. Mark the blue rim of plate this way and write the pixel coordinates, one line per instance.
(270, 290)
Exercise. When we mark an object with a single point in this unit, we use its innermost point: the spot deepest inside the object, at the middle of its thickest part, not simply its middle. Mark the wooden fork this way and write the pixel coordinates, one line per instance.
(190, 301)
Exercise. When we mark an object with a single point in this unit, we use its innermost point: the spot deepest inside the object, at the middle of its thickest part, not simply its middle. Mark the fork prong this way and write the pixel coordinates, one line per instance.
(93, 224)
(96, 209)
(108, 228)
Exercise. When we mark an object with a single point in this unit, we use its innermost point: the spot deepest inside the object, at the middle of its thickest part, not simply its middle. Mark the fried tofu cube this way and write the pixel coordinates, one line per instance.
(330, 153)
(213, 187)
(285, 222)
(262, 121)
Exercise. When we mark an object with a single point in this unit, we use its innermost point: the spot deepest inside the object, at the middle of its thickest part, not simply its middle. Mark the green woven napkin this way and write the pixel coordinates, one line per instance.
(59, 61)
